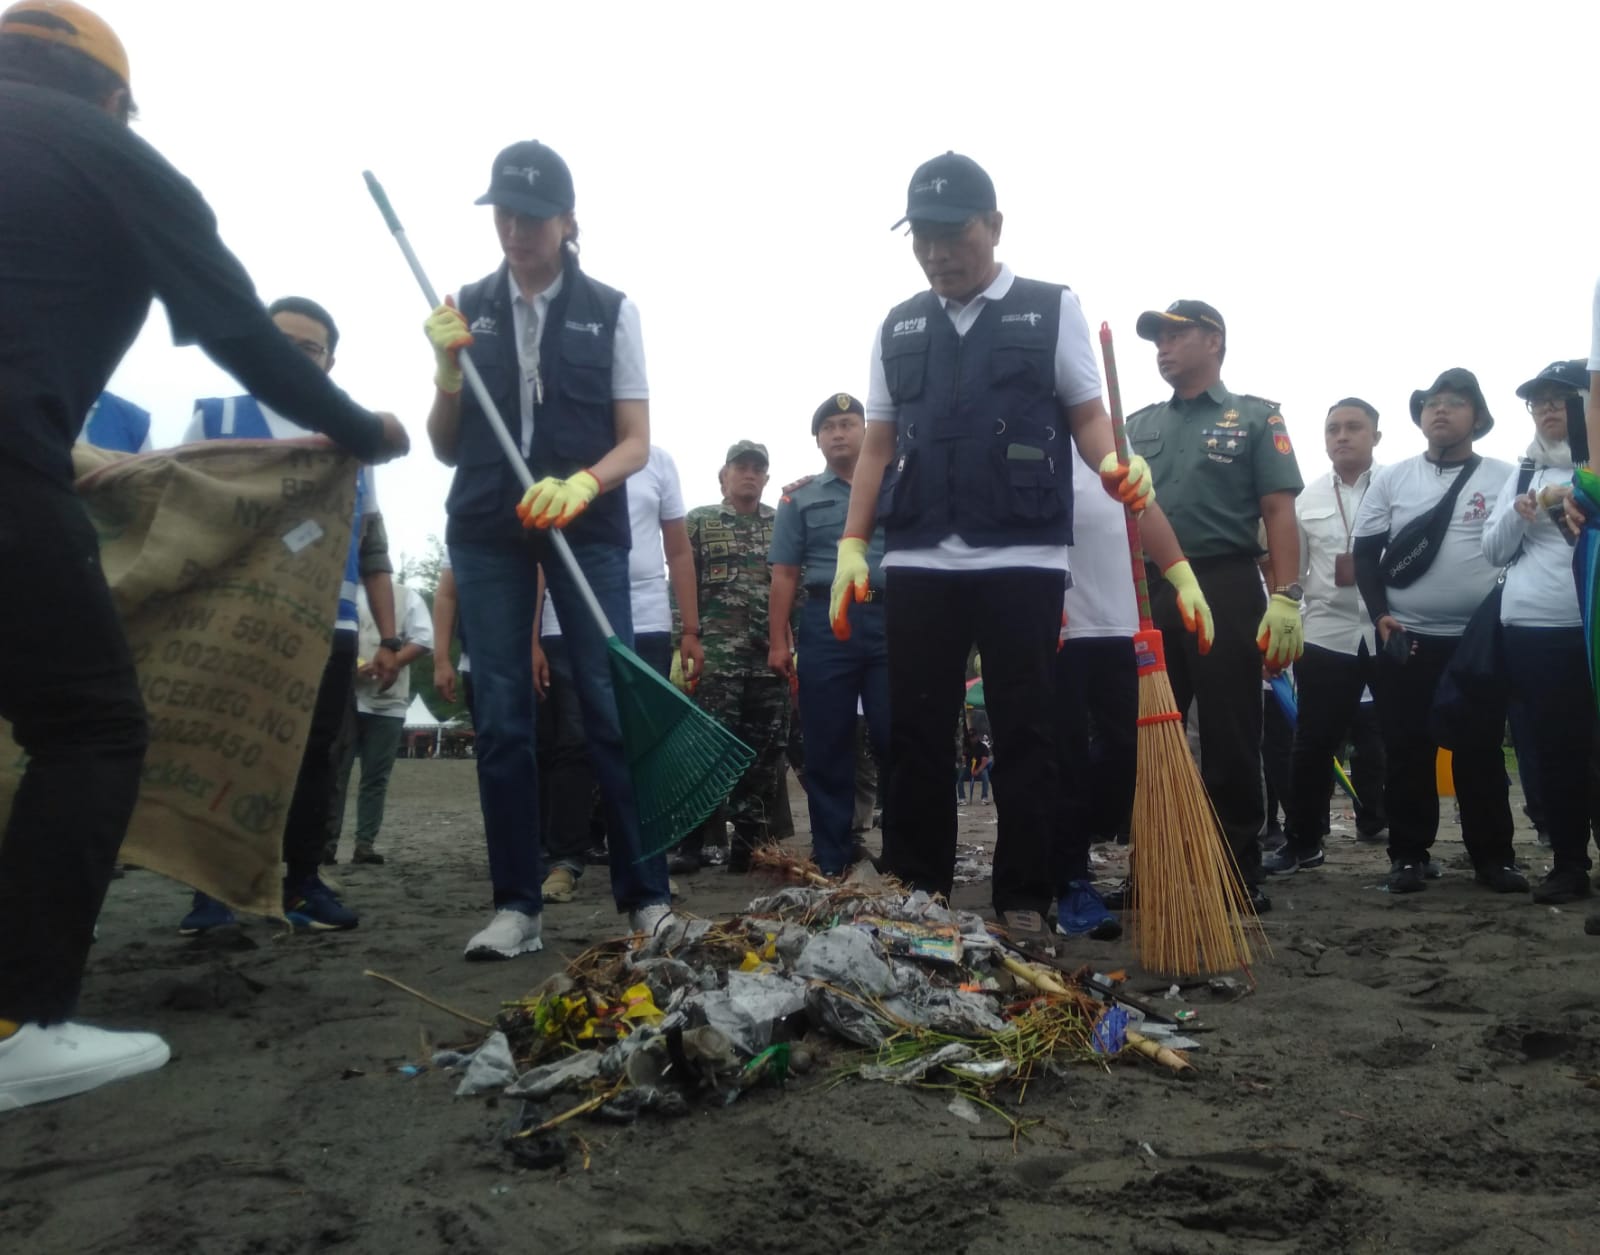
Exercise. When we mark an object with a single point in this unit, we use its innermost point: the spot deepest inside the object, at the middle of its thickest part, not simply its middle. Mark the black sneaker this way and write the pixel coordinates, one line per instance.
(1406, 877)
(1259, 900)
(1281, 862)
(1503, 878)
(1563, 884)
(684, 861)
(1119, 897)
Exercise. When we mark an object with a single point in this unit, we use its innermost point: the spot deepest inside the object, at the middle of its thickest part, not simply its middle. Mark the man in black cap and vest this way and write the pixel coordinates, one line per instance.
(1421, 570)
(977, 384)
(1227, 472)
(837, 677)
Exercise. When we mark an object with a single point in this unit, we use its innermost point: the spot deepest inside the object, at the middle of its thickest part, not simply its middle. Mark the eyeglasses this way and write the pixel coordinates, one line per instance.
(1550, 401)
(316, 352)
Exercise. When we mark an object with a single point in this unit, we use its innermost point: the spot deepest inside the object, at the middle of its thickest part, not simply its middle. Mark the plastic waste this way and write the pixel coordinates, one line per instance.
(491, 1067)
(745, 1010)
(564, 1073)
(915, 1069)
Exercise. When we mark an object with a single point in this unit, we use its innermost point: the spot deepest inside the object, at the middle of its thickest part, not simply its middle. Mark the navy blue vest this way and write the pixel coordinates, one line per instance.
(573, 427)
(982, 451)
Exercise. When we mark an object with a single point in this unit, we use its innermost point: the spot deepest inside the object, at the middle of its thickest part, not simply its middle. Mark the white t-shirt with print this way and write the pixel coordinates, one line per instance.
(1460, 577)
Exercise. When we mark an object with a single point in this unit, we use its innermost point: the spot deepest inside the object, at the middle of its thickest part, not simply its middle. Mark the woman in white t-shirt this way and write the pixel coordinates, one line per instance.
(1546, 657)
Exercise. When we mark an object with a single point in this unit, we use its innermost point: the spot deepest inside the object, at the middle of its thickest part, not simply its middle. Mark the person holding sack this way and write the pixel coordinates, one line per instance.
(1545, 662)
(1421, 572)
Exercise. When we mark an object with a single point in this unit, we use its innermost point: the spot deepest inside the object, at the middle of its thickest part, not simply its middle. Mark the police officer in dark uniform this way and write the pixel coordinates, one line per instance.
(835, 675)
(978, 383)
(1226, 468)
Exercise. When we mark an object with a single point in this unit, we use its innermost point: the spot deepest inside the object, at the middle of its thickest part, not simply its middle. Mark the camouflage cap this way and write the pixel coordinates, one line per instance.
(747, 449)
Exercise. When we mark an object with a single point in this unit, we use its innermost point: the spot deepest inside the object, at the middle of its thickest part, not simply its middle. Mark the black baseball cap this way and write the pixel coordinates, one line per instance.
(948, 189)
(1456, 379)
(838, 403)
(530, 178)
(1572, 374)
(1181, 313)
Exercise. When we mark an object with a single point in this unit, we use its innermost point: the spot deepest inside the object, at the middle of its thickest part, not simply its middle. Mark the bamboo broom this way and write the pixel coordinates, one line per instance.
(1190, 900)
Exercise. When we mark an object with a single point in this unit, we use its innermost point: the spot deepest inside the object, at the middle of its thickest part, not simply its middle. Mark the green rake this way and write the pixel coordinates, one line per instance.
(683, 762)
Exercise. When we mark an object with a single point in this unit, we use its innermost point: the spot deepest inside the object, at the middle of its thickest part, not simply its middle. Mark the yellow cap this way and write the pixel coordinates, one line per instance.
(72, 26)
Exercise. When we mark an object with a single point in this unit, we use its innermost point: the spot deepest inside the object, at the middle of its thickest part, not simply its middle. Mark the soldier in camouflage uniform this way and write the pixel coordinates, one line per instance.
(730, 543)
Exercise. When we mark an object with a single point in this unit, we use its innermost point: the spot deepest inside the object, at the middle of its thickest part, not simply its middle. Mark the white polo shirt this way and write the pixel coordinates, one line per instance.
(1077, 380)
(1335, 618)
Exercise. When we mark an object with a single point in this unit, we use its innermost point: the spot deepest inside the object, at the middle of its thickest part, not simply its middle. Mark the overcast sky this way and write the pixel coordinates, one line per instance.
(1370, 193)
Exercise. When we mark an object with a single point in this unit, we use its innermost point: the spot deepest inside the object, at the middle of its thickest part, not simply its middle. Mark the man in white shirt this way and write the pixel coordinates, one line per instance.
(1340, 655)
(380, 720)
(1419, 622)
(981, 384)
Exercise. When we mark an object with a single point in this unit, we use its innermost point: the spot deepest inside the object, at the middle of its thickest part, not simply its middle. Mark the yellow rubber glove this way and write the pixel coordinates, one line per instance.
(1129, 482)
(849, 583)
(1281, 636)
(556, 502)
(1192, 603)
(447, 332)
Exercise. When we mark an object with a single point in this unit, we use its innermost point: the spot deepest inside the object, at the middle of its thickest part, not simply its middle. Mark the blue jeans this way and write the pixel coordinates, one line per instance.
(496, 584)
(833, 675)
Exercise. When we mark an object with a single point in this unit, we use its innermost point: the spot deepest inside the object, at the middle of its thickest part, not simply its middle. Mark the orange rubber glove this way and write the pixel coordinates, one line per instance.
(1129, 482)
(1192, 603)
(447, 332)
(850, 575)
(556, 502)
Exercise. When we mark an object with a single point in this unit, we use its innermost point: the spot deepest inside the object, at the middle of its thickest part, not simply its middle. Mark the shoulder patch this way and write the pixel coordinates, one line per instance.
(1271, 405)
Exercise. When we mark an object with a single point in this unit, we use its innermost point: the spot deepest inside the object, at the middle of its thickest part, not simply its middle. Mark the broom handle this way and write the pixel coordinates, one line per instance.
(490, 410)
(1119, 434)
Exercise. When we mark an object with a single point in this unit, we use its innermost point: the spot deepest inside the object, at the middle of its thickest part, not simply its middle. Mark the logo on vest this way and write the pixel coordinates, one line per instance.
(593, 328)
(909, 327)
(1031, 318)
(483, 325)
(531, 173)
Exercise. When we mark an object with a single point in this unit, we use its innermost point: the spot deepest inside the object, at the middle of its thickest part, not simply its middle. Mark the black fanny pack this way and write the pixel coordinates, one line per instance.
(1411, 550)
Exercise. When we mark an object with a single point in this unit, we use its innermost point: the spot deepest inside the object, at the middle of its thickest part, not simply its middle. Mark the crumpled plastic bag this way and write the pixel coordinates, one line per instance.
(915, 1069)
(946, 1010)
(492, 1067)
(745, 1010)
(565, 1073)
(849, 958)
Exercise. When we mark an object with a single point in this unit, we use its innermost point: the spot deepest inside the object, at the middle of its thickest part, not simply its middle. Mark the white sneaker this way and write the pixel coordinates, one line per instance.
(509, 934)
(648, 918)
(38, 1064)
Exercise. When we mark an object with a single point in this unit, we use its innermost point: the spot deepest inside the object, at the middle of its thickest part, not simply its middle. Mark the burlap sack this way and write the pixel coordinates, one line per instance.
(225, 560)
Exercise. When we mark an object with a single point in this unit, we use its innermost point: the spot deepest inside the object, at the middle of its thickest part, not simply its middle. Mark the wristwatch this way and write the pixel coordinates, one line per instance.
(392, 643)
(1292, 591)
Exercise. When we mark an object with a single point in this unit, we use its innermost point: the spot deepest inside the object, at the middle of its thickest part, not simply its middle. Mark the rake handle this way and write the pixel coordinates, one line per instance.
(491, 411)
(1119, 434)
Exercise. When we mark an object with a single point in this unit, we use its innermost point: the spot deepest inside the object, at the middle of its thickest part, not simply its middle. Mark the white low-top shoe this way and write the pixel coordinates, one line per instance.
(509, 934)
(38, 1064)
(649, 918)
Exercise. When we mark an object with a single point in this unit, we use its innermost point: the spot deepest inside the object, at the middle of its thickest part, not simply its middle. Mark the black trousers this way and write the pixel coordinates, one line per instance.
(1330, 685)
(1227, 685)
(68, 688)
(934, 619)
(1097, 747)
(566, 778)
(1277, 757)
(1549, 674)
(307, 829)
(1405, 700)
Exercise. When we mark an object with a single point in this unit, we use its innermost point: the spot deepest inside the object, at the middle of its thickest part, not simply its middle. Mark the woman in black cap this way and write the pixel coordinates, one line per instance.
(1546, 660)
(562, 358)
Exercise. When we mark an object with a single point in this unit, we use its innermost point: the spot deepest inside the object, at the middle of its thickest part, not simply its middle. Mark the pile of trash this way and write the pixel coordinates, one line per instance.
(706, 1009)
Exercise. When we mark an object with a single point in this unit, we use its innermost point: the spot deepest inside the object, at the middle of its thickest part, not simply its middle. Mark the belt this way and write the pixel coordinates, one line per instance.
(875, 596)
